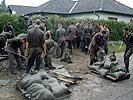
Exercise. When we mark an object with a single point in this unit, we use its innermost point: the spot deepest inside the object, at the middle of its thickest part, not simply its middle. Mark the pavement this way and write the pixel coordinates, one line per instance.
(91, 87)
(95, 88)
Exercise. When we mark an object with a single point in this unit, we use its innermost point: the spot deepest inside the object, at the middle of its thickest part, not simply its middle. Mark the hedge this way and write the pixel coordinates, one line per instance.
(116, 28)
(20, 24)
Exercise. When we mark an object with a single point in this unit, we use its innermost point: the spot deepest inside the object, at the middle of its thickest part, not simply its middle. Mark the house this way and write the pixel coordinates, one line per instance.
(21, 9)
(94, 9)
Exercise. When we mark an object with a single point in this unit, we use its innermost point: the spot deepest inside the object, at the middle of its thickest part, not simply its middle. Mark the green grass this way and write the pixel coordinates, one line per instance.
(115, 47)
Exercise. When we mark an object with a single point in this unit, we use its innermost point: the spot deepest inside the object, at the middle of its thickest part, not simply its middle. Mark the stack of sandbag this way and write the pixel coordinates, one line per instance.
(110, 69)
(43, 87)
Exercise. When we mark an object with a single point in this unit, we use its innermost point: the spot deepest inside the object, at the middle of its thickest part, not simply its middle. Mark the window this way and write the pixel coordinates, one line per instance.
(113, 18)
(131, 20)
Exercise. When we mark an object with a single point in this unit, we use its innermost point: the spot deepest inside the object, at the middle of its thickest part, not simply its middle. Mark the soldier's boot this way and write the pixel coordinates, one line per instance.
(91, 62)
(127, 68)
(48, 62)
(86, 50)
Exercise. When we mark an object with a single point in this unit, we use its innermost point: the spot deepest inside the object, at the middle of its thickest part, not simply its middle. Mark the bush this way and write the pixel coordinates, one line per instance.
(18, 22)
(116, 28)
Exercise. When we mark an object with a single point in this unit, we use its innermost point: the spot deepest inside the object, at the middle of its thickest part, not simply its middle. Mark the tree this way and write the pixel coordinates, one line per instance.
(3, 7)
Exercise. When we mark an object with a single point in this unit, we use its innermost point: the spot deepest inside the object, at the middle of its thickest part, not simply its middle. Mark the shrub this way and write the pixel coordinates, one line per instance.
(18, 22)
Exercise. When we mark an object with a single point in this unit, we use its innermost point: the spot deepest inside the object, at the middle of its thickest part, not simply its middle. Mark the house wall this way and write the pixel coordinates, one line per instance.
(105, 16)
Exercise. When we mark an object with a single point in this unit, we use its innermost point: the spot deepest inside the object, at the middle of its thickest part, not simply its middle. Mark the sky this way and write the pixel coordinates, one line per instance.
(39, 2)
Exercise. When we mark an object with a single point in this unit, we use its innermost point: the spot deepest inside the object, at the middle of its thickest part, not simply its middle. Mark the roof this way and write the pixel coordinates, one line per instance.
(55, 6)
(75, 6)
(102, 5)
(21, 9)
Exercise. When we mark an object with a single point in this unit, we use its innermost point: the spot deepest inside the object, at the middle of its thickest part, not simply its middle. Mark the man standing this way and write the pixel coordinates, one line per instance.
(9, 28)
(128, 40)
(105, 28)
(71, 35)
(60, 38)
(36, 44)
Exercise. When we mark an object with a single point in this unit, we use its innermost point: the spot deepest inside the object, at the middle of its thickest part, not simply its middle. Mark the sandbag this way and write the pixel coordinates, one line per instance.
(117, 68)
(108, 64)
(39, 92)
(94, 67)
(47, 81)
(57, 89)
(29, 80)
(118, 75)
(100, 56)
(44, 75)
(103, 72)
(99, 64)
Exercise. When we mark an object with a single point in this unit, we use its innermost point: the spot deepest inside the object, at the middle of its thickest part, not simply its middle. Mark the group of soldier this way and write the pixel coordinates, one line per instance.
(38, 45)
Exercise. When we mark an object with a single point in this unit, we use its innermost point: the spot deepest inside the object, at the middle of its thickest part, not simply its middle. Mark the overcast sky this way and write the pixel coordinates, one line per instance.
(39, 2)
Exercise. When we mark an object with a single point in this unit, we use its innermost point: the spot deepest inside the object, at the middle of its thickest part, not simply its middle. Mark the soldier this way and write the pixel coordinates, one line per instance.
(105, 28)
(128, 40)
(51, 46)
(31, 26)
(3, 38)
(23, 47)
(9, 28)
(87, 36)
(36, 44)
(71, 35)
(97, 28)
(60, 38)
(97, 43)
(13, 46)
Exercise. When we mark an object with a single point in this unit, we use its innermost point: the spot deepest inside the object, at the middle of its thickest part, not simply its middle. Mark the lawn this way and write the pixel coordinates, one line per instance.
(114, 47)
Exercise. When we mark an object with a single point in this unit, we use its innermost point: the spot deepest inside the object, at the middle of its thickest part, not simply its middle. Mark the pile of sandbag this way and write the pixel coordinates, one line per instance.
(110, 68)
(41, 86)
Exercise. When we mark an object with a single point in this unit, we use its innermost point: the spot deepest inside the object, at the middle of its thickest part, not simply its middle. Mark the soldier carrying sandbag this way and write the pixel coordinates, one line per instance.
(97, 43)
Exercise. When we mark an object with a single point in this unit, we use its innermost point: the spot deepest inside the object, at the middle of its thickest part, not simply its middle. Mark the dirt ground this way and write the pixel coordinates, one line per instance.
(90, 88)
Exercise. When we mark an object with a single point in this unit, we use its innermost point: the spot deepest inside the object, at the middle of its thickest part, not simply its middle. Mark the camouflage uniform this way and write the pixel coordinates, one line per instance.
(51, 48)
(22, 48)
(12, 46)
(3, 38)
(60, 39)
(71, 35)
(35, 39)
(97, 43)
(88, 35)
(9, 28)
(128, 40)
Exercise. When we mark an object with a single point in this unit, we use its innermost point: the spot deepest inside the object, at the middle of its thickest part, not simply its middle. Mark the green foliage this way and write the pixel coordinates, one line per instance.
(116, 28)
(114, 47)
(18, 22)
(3, 7)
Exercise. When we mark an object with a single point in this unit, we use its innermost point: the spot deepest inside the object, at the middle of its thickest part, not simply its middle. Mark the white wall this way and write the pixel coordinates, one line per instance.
(105, 16)
(124, 18)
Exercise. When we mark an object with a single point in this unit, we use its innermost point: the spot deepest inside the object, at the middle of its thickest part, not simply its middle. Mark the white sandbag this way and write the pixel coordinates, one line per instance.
(29, 80)
(39, 92)
(59, 89)
(103, 72)
(118, 75)
(109, 65)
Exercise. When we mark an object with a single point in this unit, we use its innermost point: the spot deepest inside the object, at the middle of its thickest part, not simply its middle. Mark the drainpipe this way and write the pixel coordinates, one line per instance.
(96, 15)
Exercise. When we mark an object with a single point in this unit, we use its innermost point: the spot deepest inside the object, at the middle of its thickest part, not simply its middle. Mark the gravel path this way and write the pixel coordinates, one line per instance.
(90, 88)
